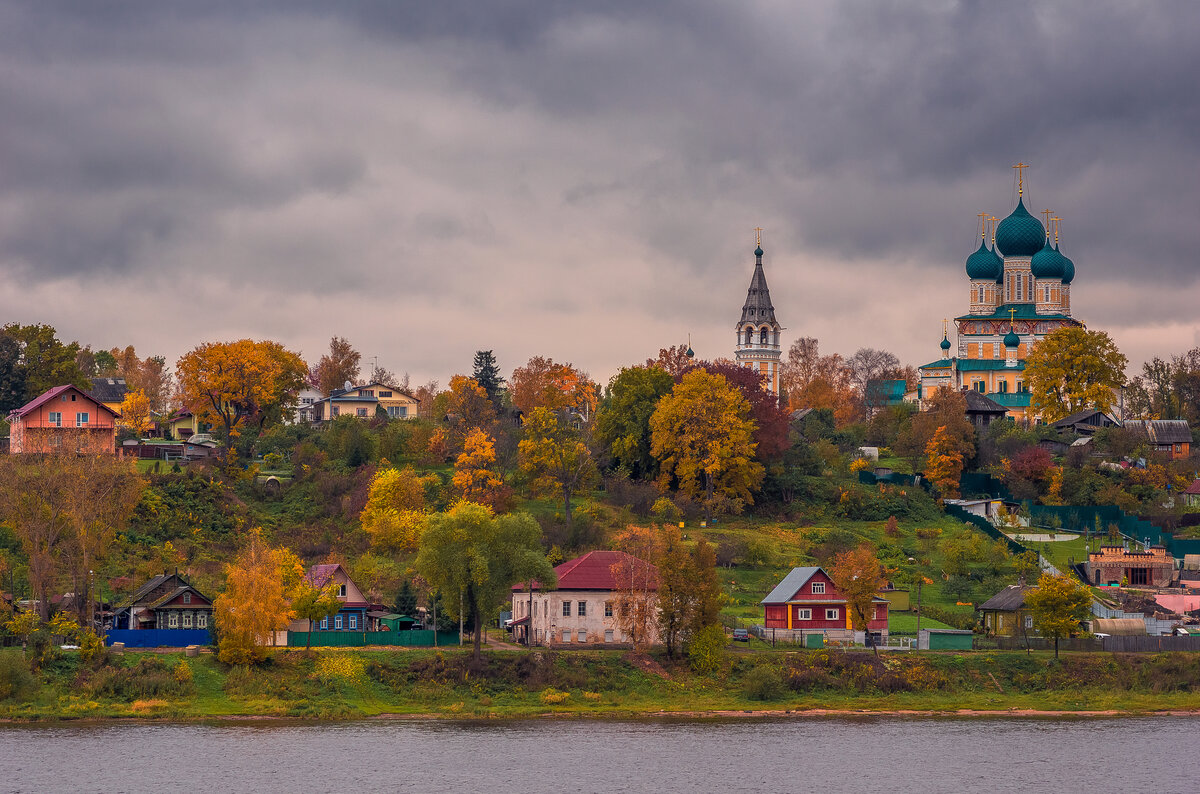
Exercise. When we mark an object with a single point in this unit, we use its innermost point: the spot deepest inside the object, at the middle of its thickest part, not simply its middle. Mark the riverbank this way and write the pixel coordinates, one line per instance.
(432, 684)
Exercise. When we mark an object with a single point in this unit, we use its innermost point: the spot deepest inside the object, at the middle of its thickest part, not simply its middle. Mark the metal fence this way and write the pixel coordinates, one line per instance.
(158, 638)
(419, 638)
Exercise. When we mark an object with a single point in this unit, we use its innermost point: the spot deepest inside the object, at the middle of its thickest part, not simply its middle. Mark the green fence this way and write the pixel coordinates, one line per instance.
(1084, 518)
(421, 638)
(984, 526)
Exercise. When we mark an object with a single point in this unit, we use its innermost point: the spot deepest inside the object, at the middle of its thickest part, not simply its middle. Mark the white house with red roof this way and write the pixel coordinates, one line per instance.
(353, 614)
(808, 602)
(583, 609)
(63, 418)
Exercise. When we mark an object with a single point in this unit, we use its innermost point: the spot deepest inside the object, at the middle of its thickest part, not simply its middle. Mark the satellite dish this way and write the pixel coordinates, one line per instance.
(347, 386)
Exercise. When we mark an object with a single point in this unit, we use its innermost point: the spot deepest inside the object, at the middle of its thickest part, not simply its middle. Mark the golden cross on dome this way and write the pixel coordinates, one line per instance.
(992, 220)
(1021, 177)
(1057, 221)
(945, 329)
(1046, 221)
(982, 225)
(758, 230)
(1012, 319)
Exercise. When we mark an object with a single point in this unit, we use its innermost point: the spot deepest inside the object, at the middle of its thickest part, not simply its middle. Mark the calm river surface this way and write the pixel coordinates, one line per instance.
(888, 754)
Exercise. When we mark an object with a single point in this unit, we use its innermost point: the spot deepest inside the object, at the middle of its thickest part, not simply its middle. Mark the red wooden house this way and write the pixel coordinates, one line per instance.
(808, 602)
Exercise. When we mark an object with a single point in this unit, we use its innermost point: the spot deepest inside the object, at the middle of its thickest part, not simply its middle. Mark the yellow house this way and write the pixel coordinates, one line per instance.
(363, 401)
(183, 424)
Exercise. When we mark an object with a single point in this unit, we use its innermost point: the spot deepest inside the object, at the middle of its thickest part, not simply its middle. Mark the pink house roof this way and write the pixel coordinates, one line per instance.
(594, 571)
(1194, 488)
(1178, 602)
(45, 397)
(321, 575)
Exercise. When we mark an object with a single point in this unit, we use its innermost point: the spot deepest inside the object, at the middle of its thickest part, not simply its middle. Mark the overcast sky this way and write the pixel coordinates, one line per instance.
(582, 180)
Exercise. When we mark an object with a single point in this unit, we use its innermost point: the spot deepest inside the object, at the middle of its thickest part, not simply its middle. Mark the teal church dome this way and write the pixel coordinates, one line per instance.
(1011, 339)
(984, 264)
(1047, 263)
(945, 343)
(1068, 267)
(1020, 234)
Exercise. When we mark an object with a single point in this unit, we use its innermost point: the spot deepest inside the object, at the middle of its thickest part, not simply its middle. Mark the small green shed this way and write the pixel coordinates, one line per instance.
(393, 622)
(814, 640)
(945, 640)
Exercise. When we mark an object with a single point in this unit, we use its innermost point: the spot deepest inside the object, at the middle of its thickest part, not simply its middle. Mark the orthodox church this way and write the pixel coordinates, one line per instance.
(757, 343)
(1020, 291)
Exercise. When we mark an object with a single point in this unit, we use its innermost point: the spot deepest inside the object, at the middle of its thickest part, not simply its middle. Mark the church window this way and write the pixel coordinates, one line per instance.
(762, 337)
(978, 386)
(1020, 286)
(981, 294)
(1004, 387)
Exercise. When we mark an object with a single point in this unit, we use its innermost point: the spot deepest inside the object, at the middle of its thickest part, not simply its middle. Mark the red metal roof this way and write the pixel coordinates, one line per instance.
(594, 571)
(320, 575)
(1194, 488)
(47, 396)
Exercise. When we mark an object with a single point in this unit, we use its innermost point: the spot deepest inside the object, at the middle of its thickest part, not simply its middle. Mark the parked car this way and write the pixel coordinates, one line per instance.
(741, 635)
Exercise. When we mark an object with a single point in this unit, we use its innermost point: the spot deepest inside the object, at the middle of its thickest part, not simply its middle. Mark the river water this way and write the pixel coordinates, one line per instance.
(890, 754)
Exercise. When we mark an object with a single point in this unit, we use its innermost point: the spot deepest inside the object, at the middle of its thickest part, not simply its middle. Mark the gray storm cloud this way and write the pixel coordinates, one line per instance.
(581, 180)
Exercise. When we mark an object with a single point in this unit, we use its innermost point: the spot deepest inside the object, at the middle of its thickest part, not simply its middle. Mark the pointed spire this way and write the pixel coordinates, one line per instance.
(758, 307)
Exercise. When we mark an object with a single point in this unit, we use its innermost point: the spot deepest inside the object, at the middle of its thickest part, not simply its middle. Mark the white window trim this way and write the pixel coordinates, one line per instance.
(818, 588)
(831, 613)
(803, 614)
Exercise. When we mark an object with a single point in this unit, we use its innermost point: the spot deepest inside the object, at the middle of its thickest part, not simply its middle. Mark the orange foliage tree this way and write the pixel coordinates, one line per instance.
(467, 407)
(945, 463)
(229, 384)
(859, 577)
(475, 478)
(815, 381)
(542, 383)
(256, 602)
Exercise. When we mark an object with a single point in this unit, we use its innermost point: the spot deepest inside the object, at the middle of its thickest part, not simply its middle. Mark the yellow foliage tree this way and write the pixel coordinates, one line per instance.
(944, 463)
(474, 478)
(135, 412)
(395, 511)
(468, 406)
(256, 602)
(556, 454)
(858, 576)
(232, 383)
(702, 434)
(1072, 369)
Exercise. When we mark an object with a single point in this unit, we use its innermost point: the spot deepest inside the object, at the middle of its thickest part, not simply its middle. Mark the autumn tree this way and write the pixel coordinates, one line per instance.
(1058, 605)
(256, 601)
(65, 510)
(314, 604)
(672, 360)
(475, 478)
(811, 380)
(231, 384)
(395, 512)
(543, 383)
(336, 368)
(135, 413)
(12, 375)
(945, 408)
(470, 552)
(1167, 389)
(487, 374)
(858, 576)
(1072, 369)
(466, 407)
(703, 436)
(689, 594)
(426, 393)
(555, 453)
(636, 579)
(623, 419)
(772, 421)
(944, 463)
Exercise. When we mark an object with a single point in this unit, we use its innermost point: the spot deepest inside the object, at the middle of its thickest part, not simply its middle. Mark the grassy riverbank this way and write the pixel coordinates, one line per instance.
(337, 684)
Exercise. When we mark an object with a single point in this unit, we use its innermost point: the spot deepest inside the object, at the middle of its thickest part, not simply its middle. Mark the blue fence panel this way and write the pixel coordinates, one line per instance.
(158, 638)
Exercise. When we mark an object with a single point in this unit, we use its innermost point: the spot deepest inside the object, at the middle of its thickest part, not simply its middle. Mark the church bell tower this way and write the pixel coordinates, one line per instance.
(758, 331)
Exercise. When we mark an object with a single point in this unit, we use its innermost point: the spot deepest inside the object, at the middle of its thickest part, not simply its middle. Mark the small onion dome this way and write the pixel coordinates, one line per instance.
(758, 251)
(1020, 234)
(999, 265)
(982, 264)
(1068, 267)
(1047, 263)
(1011, 339)
(690, 353)
(945, 343)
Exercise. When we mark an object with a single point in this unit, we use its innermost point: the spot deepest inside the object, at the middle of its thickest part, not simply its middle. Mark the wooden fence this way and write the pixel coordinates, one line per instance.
(1146, 644)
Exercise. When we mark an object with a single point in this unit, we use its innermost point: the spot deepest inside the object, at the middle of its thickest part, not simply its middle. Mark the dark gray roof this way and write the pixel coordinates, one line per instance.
(1009, 599)
(1162, 431)
(979, 404)
(145, 590)
(790, 585)
(758, 308)
(1083, 416)
(107, 390)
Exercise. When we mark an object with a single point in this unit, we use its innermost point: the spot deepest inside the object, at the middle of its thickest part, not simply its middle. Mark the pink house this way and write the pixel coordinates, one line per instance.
(64, 418)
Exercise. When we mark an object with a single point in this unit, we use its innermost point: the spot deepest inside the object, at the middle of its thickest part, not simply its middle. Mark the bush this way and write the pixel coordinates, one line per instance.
(763, 683)
(16, 682)
(151, 677)
(554, 697)
(706, 650)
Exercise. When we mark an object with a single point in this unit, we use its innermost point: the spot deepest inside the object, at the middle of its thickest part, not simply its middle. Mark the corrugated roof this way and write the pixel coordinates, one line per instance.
(1162, 431)
(1017, 399)
(320, 575)
(790, 585)
(1194, 488)
(594, 571)
(1119, 627)
(108, 390)
(987, 364)
(1009, 599)
(980, 404)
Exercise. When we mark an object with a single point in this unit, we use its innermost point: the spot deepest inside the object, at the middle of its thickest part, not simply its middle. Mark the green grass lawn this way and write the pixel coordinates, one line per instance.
(906, 623)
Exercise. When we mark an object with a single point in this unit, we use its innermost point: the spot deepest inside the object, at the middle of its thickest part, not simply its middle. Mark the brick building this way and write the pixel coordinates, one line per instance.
(1116, 565)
